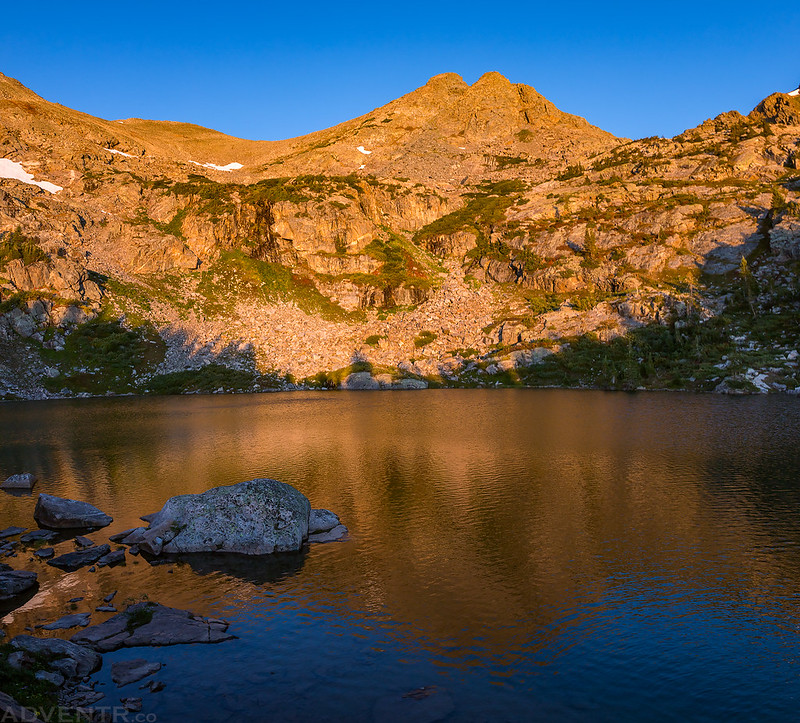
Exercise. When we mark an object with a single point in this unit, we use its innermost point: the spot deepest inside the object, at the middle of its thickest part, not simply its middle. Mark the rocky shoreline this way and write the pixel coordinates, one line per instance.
(255, 518)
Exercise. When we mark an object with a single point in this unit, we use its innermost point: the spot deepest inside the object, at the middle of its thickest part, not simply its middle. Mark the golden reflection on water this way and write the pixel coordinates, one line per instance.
(480, 520)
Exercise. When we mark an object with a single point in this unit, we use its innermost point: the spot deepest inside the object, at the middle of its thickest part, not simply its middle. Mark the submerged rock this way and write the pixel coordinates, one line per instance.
(24, 481)
(126, 672)
(134, 705)
(258, 517)
(15, 582)
(60, 513)
(10, 532)
(423, 705)
(38, 536)
(149, 623)
(76, 620)
(337, 533)
(74, 560)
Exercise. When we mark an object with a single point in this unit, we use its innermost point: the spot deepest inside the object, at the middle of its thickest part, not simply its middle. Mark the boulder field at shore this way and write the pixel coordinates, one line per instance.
(257, 517)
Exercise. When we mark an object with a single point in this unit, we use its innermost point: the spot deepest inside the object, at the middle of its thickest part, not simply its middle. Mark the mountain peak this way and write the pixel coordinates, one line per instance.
(453, 80)
(492, 78)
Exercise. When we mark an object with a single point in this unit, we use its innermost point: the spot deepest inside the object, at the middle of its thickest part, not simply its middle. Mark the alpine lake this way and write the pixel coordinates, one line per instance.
(513, 555)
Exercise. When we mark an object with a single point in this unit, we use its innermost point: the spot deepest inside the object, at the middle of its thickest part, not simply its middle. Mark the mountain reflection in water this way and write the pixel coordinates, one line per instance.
(536, 554)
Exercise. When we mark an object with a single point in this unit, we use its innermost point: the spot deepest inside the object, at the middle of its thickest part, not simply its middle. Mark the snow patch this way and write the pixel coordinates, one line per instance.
(363, 150)
(795, 93)
(362, 166)
(11, 169)
(119, 153)
(229, 167)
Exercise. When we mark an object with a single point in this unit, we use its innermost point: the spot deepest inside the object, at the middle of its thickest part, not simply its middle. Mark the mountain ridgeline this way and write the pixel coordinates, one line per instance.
(461, 235)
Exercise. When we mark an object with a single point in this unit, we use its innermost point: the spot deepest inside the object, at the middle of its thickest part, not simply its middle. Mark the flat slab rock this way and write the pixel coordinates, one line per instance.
(72, 561)
(126, 672)
(120, 536)
(38, 535)
(112, 558)
(151, 624)
(14, 582)
(69, 659)
(337, 533)
(76, 620)
(60, 513)
(10, 532)
(24, 481)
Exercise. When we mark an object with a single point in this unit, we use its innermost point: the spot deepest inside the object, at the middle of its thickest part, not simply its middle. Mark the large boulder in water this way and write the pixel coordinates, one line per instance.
(258, 517)
(59, 513)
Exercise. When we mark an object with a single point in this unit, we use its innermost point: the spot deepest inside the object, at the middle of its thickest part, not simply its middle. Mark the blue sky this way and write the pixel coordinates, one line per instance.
(276, 70)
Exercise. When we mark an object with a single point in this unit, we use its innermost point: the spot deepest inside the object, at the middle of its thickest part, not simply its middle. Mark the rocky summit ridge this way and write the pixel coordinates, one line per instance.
(461, 235)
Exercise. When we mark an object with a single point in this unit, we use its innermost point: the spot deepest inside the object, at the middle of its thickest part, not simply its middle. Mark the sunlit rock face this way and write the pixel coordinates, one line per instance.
(458, 211)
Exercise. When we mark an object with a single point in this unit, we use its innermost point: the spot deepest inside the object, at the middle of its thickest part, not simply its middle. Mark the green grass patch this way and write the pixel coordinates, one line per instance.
(484, 209)
(653, 356)
(102, 356)
(424, 338)
(38, 696)
(216, 199)
(207, 379)
(236, 276)
(140, 617)
(16, 245)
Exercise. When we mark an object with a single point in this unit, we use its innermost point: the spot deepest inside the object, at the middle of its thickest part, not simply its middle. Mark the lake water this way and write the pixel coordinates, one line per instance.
(533, 554)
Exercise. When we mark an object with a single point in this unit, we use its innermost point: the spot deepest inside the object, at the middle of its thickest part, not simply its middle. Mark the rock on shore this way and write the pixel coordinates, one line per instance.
(64, 657)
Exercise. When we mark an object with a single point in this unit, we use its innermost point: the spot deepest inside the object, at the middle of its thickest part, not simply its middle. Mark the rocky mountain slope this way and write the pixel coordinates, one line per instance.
(460, 235)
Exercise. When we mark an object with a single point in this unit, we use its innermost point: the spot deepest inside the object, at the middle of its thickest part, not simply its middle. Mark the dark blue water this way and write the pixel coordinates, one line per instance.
(535, 555)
